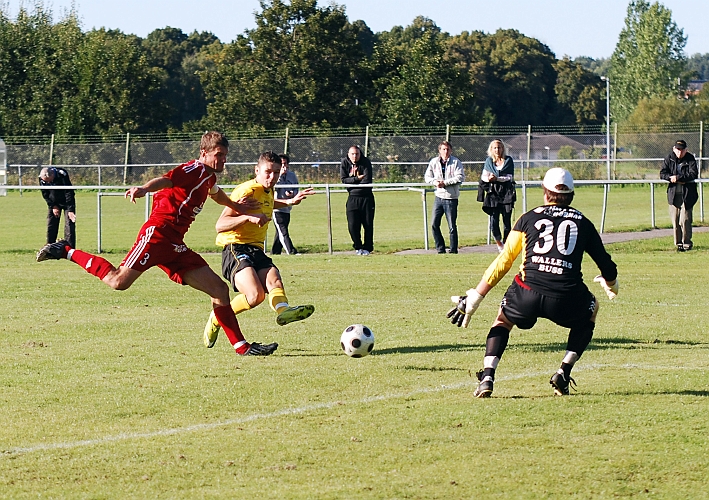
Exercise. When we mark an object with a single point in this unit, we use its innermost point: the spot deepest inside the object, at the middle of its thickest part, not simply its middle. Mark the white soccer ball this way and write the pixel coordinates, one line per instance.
(357, 341)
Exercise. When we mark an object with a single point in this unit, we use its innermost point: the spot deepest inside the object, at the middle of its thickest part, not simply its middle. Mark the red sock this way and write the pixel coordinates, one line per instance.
(227, 319)
(93, 264)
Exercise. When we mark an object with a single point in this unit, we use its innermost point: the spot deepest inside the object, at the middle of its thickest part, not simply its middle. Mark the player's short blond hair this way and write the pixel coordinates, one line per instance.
(213, 139)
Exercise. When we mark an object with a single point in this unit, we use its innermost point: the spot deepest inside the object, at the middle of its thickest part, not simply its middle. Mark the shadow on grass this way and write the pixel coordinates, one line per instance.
(607, 343)
(393, 350)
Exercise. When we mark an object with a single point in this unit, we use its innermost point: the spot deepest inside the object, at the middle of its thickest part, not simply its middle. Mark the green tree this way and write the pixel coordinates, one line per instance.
(648, 59)
(428, 89)
(36, 64)
(114, 85)
(579, 93)
(513, 76)
(698, 66)
(301, 65)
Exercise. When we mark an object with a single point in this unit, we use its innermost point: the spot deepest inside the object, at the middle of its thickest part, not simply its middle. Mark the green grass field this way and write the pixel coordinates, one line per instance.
(112, 395)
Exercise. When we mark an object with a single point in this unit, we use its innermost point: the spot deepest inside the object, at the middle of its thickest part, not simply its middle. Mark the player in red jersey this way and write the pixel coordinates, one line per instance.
(180, 196)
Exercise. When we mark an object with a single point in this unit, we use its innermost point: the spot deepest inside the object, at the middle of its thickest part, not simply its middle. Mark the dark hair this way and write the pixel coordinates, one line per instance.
(284, 157)
(269, 157)
(445, 143)
(211, 140)
(561, 199)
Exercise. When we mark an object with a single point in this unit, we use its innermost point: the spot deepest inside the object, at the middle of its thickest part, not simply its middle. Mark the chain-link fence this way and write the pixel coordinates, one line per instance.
(635, 153)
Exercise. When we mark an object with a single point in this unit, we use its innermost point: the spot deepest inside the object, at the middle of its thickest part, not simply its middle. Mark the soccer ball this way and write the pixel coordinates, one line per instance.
(357, 341)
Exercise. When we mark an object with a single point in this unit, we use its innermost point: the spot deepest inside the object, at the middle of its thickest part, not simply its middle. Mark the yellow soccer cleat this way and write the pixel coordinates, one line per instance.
(297, 313)
(211, 331)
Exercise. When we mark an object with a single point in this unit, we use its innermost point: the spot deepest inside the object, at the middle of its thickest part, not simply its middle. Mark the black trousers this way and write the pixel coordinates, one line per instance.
(360, 215)
(282, 240)
(53, 228)
(506, 222)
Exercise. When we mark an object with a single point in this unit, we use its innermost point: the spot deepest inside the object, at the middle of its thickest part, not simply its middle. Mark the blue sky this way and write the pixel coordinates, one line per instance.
(569, 27)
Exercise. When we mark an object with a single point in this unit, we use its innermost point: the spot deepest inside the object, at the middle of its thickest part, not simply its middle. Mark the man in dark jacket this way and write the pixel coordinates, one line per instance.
(58, 200)
(357, 169)
(680, 169)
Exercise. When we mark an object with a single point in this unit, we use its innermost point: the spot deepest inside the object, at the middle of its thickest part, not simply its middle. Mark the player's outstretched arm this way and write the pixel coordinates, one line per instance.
(295, 200)
(610, 287)
(466, 305)
(151, 186)
(241, 206)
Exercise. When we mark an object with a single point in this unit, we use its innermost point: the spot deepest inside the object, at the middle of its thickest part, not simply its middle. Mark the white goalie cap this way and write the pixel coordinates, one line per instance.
(556, 177)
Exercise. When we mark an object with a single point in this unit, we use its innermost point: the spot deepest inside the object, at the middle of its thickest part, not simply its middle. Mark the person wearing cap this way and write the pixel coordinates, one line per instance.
(680, 170)
(552, 239)
(58, 200)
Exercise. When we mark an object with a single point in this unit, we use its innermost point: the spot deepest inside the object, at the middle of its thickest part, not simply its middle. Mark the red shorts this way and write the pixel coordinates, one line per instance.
(163, 247)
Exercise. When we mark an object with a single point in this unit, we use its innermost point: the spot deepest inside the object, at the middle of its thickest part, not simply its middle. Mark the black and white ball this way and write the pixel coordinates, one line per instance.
(357, 341)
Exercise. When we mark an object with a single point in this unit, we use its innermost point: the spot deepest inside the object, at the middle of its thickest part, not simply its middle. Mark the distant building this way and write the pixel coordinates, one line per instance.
(694, 87)
(544, 146)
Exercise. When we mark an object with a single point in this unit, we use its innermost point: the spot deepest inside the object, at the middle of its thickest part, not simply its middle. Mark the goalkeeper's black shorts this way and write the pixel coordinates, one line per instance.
(523, 306)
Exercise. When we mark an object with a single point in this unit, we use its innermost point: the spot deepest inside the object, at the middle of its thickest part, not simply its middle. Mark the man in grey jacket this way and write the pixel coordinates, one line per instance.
(445, 172)
(680, 170)
(281, 216)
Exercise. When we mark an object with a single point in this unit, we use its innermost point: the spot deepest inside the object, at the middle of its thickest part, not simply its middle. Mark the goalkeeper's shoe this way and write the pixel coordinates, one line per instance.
(295, 313)
(561, 384)
(211, 331)
(53, 251)
(484, 388)
(256, 349)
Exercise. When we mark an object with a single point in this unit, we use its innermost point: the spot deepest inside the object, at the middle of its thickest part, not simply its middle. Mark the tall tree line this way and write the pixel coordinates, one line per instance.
(301, 66)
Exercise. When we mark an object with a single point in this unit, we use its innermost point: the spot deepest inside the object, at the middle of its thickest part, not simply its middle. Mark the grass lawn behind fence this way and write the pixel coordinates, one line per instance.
(398, 222)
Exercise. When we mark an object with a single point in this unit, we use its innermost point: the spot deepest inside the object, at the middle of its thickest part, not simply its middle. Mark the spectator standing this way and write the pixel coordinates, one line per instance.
(497, 192)
(445, 172)
(680, 169)
(357, 169)
(281, 216)
(58, 200)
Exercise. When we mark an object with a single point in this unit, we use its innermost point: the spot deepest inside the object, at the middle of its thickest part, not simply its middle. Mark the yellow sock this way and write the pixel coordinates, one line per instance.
(239, 303)
(278, 300)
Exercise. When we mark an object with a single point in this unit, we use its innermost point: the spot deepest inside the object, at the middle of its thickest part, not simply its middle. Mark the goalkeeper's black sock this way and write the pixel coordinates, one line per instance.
(489, 372)
(497, 341)
(566, 368)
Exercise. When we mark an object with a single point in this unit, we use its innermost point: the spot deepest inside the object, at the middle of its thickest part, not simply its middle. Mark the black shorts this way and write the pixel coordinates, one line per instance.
(523, 306)
(236, 257)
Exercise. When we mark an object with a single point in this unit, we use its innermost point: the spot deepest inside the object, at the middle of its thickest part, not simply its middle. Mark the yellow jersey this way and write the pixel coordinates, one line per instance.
(249, 233)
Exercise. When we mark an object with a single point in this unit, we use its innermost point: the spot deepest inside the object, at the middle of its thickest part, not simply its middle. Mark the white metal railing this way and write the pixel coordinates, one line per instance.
(419, 187)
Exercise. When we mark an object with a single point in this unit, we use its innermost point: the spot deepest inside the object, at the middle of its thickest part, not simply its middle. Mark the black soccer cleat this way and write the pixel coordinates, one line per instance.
(53, 251)
(484, 388)
(256, 349)
(680, 248)
(561, 385)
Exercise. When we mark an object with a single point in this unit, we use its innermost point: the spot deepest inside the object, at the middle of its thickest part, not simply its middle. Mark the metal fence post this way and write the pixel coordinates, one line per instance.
(98, 217)
(127, 157)
(699, 166)
(329, 219)
(615, 149)
(51, 150)
(529, 149)
(285, 146)
(425, 219)
(366, 141)
(448, 133)
(652, 205)
(605, 205)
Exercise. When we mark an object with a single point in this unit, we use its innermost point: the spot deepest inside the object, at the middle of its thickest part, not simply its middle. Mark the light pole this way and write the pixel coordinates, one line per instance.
(608, 124)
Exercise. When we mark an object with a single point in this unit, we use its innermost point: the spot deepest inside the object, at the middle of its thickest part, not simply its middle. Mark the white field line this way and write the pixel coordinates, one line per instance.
(308, 408)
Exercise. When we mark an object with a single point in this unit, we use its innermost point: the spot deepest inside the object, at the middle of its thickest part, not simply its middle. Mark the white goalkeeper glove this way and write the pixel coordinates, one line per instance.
(465, 306)
(611, 290)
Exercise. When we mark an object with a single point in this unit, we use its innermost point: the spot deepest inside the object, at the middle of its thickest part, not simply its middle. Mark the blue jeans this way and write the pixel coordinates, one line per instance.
(450, 209)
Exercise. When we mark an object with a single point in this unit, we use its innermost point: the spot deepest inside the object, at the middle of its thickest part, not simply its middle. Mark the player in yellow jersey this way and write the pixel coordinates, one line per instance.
(244, 264)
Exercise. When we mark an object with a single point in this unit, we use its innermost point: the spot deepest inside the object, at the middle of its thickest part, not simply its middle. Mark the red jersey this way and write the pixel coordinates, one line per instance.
(179, 205)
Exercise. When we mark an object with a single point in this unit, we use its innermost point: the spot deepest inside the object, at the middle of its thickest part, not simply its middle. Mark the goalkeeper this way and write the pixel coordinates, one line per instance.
(552, 239)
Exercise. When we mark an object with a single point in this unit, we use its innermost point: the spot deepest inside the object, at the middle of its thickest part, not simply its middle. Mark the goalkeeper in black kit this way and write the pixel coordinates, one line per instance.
(552, 239)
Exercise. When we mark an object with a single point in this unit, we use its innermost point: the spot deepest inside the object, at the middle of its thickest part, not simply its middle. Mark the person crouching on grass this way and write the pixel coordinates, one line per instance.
(552, 239)
(244, 263)
(179, 196)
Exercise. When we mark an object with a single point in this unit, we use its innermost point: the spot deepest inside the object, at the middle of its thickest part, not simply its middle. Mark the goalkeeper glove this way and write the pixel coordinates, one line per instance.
(610, 289)
(465, 306)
